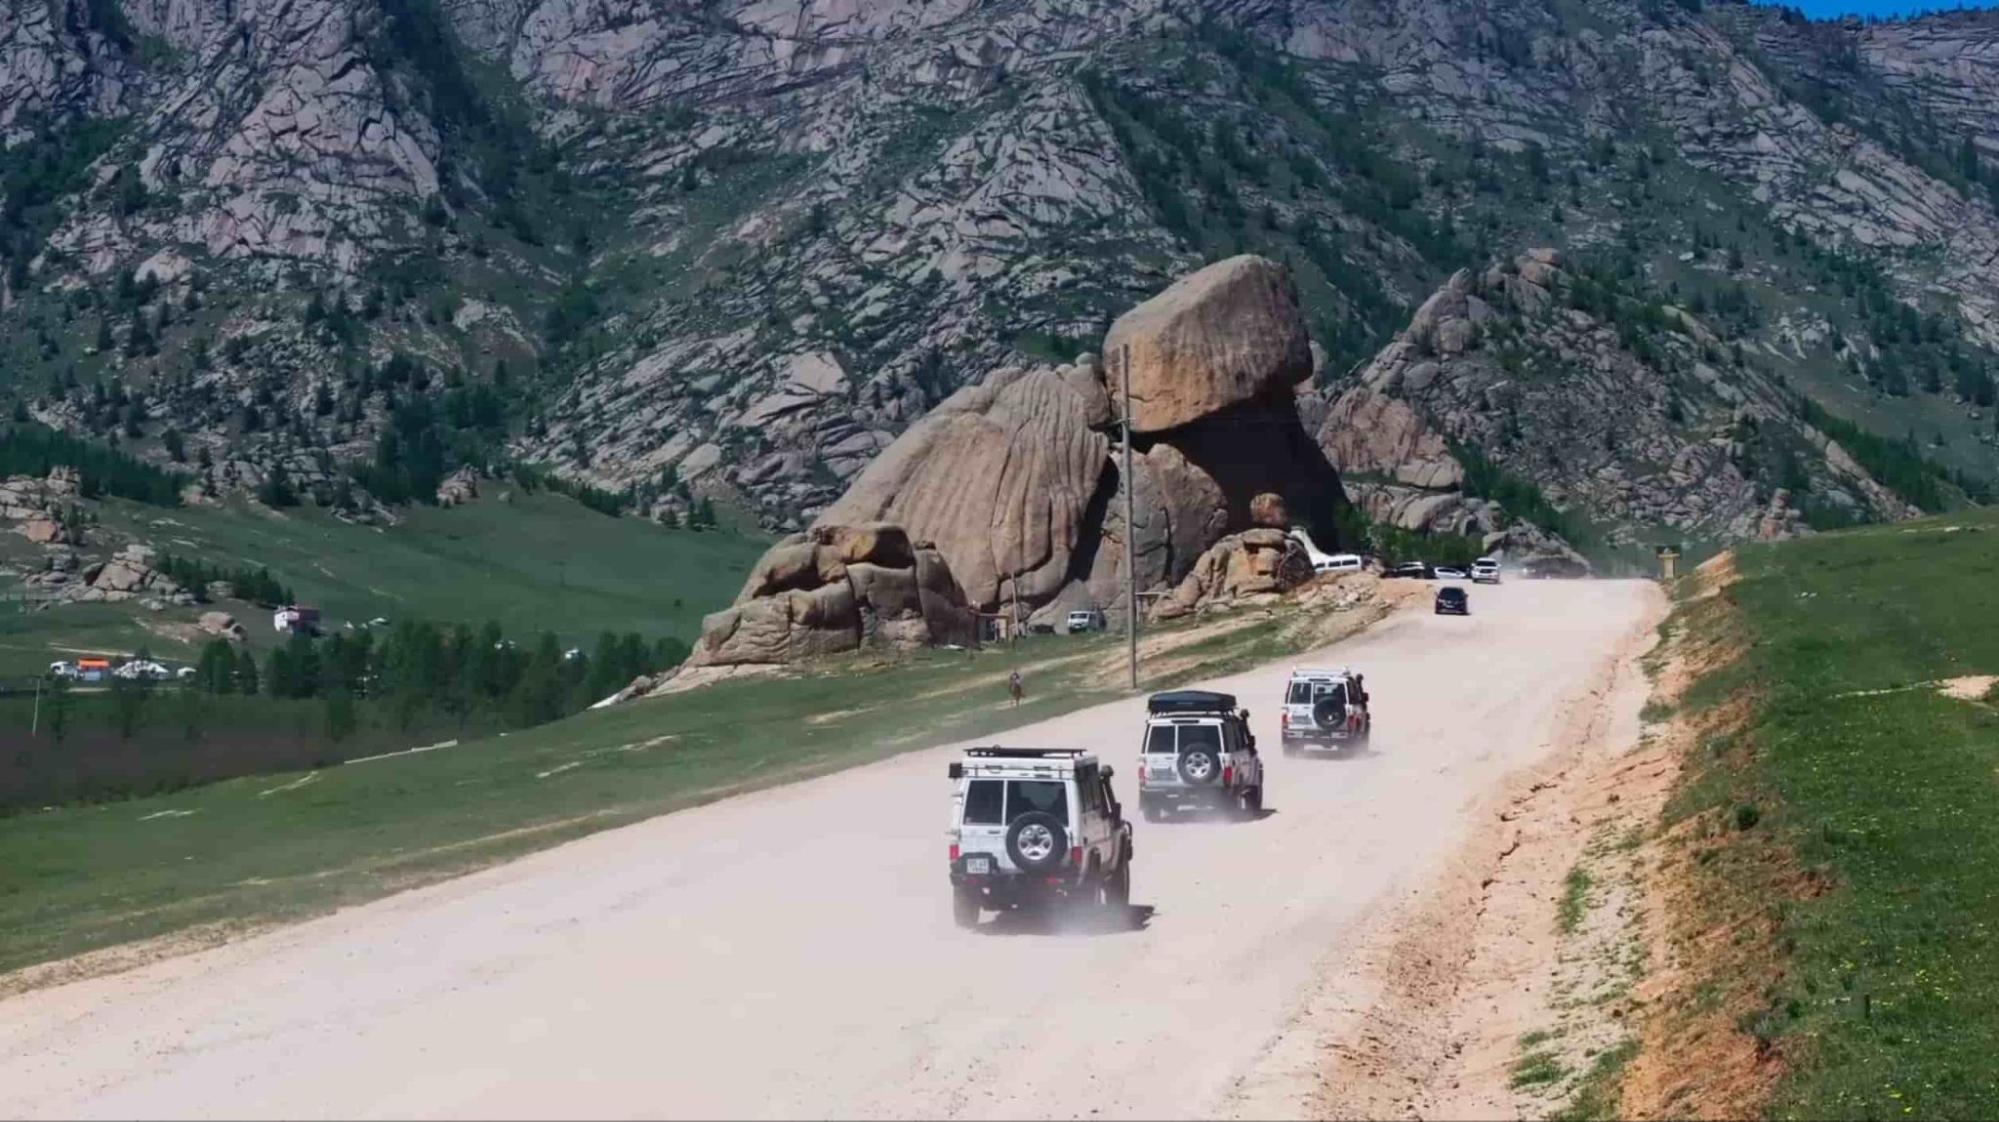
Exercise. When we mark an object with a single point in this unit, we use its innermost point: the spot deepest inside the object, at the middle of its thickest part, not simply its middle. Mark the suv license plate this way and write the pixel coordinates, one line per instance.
(976, 865)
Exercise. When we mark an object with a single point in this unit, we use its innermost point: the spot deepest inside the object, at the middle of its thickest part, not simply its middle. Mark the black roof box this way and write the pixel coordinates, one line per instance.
(1190, 701)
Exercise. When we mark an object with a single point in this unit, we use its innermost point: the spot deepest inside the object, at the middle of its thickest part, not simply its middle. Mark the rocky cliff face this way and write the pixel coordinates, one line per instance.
(1524, 391)
(734, 250)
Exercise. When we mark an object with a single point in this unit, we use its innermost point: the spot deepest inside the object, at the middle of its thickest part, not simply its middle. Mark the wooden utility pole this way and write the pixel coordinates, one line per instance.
(1130, 527)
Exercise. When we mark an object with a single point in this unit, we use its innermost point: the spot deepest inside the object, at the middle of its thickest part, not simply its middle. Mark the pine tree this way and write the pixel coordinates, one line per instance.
(246, 673)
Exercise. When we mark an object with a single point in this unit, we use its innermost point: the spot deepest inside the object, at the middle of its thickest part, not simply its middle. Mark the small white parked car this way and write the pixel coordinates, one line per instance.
(1079, 621)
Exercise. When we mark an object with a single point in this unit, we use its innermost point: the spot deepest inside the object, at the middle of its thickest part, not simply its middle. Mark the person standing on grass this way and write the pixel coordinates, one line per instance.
(1015, 689)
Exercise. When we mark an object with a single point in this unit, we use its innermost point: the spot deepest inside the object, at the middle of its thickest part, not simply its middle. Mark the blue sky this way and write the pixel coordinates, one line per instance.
(1827, 9)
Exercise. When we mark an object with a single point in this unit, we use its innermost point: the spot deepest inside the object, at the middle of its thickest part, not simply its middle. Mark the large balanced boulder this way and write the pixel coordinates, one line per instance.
(1011, 493)
(998, 477)
(1225, 335)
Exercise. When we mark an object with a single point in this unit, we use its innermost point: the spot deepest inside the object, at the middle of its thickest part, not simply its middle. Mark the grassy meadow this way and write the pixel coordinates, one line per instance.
(1859, 803)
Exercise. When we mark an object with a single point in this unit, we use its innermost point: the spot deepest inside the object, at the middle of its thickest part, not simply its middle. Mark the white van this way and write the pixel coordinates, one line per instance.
(1338, 563)
(1485, 570)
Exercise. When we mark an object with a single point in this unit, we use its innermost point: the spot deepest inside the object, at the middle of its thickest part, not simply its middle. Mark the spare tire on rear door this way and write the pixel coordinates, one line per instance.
(1330, 712)
(1200, 766)
(1037, 842)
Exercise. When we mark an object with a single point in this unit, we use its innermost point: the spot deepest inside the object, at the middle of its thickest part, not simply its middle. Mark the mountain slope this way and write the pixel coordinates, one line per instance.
(731, 250)
(1549, 391)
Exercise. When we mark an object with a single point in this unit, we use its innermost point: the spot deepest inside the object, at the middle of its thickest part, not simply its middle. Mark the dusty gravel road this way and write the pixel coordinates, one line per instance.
(791, 953)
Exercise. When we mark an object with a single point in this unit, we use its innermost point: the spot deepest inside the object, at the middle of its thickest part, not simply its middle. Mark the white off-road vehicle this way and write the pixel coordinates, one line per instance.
(1485, 570)
(1198, 752)
(1034, 825)
(1325, 708)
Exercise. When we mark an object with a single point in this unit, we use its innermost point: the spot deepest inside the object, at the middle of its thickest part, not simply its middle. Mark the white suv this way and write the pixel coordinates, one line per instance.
(1085, 620)
(1198, 752)
(1033, 824)
(1325, 708)
(1485, 570)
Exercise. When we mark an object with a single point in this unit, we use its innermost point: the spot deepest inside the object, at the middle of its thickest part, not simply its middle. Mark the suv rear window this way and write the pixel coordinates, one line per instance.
(1159, 740)
(982, 802)
(1026, 795)
(1200, 736)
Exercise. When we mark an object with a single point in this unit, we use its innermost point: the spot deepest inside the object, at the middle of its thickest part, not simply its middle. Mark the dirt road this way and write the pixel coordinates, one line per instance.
(791, 953)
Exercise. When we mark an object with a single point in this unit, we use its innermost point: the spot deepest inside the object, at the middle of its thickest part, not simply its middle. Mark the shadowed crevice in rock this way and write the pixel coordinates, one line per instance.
(1095, 518)
(1261, 447)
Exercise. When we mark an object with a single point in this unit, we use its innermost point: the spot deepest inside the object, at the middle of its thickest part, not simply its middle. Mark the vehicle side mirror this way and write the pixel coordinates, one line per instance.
(958, 771)
(1107, 771)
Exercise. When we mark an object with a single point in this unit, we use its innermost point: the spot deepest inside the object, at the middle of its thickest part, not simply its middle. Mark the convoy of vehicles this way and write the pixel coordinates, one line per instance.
(1037, 827)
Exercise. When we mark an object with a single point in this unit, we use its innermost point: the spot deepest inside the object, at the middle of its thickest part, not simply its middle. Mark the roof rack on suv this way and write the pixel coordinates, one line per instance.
(995, 752)
(1190, 701)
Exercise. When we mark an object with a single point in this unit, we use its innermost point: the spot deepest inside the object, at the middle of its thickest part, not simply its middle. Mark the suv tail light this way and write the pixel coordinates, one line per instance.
(1076, 855)
(1228, 774)
(954, 853)
(1284, 719)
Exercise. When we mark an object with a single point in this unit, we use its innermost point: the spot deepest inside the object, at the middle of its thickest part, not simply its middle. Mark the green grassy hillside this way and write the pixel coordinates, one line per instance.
(1857, 807)
(534, 562)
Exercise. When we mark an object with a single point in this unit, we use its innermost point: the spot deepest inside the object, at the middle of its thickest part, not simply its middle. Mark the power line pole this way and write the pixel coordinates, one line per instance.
(35, 724)
(1130, 528)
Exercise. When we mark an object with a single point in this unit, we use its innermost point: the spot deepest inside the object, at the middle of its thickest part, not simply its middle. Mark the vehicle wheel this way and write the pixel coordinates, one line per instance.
(1037, 842)
(1290, 749)
(965, 907)
(1200, 767)
(1154, 814)
(1256, 799)
(1117, 893)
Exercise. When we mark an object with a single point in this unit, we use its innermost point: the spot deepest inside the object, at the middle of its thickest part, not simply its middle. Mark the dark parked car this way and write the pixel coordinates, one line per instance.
(1453, 602)
(1414, 570)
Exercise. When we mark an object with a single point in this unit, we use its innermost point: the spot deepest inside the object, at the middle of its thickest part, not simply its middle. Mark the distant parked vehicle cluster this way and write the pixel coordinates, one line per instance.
(98, 670)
